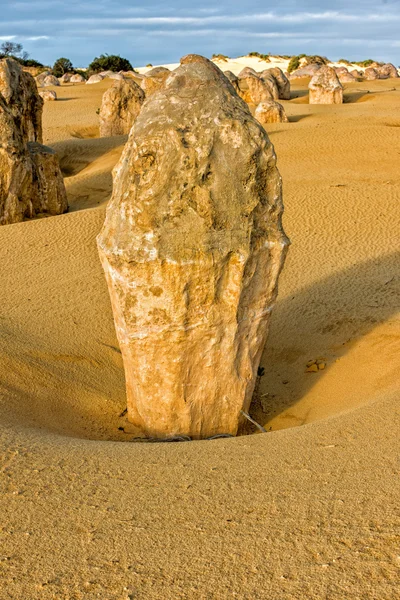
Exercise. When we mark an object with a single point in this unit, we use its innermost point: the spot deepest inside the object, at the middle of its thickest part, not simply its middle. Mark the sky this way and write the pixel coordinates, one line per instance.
(161, 32)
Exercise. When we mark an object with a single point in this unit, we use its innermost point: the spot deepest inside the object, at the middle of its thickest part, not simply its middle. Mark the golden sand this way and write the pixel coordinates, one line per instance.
(305, 512)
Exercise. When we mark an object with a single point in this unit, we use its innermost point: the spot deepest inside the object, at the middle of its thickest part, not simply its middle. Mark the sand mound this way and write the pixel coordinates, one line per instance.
(296, 513)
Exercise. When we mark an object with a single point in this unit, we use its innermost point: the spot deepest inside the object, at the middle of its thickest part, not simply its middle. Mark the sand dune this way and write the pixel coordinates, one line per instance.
(304, 512)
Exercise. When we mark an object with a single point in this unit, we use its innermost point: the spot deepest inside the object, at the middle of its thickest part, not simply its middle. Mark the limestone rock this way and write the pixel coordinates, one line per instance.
(233, 79)
(387, 71)
(371, 73)
(356, 74)
(41, 77)
(30, 176)
(192, 247)
(77, 78)
(325, 87)
(48, 96)
(254, 90)
(95, 79)
(66, 78)
(271, 84)
(50, 80)
(154, 80)
(306, 71)
(345, 76)
(18, 89)
(117, 76)
(270, 111)
(246, 71)
(120, 106)
(281, 80)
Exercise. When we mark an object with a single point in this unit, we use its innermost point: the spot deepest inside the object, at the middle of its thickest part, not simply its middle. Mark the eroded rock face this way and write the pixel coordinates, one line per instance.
(325, 87)
(41, 77)
(282, 82)
(30, 178)
(66, 78)
(387, 71)
(356, 74)
(270, 111)
(233, 79)
(345, 77)
(20, 94)
(254, 90)
(192, 247)
(154, 80)
(371, 73)
(120, 106)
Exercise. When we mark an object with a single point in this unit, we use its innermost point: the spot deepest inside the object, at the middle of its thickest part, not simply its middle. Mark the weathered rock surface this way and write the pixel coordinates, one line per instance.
(20, 94)
(192, 247)
(66, 78)
(48, 96)
(282, 82)
(306, 71)
(41, 77)
(50, 80)
(154, 80)
(325, 87)
(77, 78)
(371, 73)
(270, 111)
(271, 84)
(117, 76)
(120, 106)
(254, 90)
(94, 79)
(233, 79)
(387, 71)
(30, 176)
(246, 71)
(344, 75)
(356, 74)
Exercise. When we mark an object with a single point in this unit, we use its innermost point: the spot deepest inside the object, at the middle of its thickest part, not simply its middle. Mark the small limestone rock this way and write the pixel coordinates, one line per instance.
(77, 78)
(66, 78)
(325, 87)
(50, 80)
(312, 368)
(120, 106)
(50, 196)
(94, 79)
(270, 111)
(356, 74)
(306, 71)
(154, 80)
(48, 96)
(192, 248)
(41, 77)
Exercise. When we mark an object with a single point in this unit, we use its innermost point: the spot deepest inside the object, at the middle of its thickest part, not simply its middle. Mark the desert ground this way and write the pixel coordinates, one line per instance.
(308, 510)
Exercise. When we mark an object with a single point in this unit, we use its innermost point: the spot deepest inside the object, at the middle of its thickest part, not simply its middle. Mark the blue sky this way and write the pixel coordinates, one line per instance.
(158, 32)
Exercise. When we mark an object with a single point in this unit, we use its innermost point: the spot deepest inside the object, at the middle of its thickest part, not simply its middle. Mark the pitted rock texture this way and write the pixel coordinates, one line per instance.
(30, 178)
(20, 94)
(192, 247)
(270, 111)
(325, 87)
(154, 80)
(120, 106)
(282, 82)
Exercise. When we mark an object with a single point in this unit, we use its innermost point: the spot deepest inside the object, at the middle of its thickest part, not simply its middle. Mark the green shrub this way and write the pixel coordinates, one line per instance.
(344, 61)
(61, 66)
(149, 66)
(260, 56)
(294, 64)
(219, 57)
(109, 62)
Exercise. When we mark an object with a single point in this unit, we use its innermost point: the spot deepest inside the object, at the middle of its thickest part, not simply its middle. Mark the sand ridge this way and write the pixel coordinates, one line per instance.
(301, 512)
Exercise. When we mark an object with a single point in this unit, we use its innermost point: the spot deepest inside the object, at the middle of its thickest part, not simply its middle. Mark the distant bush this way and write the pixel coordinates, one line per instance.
(319, 60)
(344, 61)
(149, 65)
(265, 57)
(365, 63)
(61, 66)
(294, 64)
(109, 62)
(84, 74)
(219, 57)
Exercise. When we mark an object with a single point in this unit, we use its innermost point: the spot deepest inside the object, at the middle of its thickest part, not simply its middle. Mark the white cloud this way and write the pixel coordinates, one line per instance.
(6, 38)
(38, 37)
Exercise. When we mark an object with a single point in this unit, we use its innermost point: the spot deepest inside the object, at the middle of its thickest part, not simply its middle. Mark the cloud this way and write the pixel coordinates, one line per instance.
(38, 37)
(7, 38)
